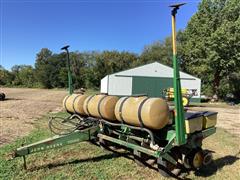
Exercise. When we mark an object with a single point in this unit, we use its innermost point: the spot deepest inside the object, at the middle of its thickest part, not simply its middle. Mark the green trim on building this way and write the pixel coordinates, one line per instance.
(195, 100)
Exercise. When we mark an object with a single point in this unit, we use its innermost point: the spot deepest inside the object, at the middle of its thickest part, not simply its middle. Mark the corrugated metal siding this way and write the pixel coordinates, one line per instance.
(154, 86)
(121, 86)
(195, 100)
(104, 85)
(151, 86)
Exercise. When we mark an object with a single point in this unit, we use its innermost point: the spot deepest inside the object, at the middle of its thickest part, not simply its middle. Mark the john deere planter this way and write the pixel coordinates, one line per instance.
(154, 132)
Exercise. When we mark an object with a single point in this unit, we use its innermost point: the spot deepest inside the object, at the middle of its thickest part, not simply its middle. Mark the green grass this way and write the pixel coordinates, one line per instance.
(87, 161)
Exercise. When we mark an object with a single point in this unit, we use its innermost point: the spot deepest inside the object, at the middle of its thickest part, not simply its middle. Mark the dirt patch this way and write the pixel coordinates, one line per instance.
(228, 117)
(23, 107)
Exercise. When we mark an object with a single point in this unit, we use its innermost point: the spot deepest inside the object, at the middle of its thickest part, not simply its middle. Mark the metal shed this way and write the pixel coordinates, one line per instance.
(150, 79)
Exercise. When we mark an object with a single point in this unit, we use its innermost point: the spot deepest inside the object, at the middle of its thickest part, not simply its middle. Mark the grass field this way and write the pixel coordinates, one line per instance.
(87, 161)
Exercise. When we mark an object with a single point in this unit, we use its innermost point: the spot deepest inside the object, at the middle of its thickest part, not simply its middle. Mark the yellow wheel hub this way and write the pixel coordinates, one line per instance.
(185, 101)
(198, 160)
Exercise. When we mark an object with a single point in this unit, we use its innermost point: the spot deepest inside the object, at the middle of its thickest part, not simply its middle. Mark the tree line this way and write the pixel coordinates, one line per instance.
(208, 48)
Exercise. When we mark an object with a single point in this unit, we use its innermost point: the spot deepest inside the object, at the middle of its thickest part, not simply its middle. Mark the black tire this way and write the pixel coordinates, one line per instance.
(192, 155)
(190, 159)
(2, 96)
(207, 158)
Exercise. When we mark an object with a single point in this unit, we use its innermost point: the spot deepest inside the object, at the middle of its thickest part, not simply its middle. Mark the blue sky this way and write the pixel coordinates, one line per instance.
(29, 25)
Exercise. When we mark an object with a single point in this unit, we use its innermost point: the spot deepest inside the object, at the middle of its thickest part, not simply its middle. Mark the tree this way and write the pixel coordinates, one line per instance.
(6, 77)
(211, 48)
(234, 80)
(109, 62)
(158, 51)
(43, 56)
(79, 65)
(23, 75)
(51, 69)
(88, 71)
(41, 63)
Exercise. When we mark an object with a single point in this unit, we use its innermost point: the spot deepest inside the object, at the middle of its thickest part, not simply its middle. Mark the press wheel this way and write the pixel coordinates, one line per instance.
(196, 160)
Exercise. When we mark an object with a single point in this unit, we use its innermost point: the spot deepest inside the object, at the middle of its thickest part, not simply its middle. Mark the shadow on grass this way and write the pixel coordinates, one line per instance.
(112, 155)
(93, 159)
(217, 165)
(207, 171)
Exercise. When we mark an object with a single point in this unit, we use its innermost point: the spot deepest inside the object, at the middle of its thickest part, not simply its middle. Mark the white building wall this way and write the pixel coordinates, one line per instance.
(104, 84)
(192, 84)
(121, 86)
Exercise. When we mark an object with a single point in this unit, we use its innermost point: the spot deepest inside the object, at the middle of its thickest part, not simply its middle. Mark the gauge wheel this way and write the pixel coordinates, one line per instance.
(194, 159)
(185, 101)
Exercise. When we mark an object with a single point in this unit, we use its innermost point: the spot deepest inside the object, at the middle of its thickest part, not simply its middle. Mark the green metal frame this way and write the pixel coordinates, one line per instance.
(180, 120)
(164, 152)
(70, 82)
(57, 142)
(157, 154)
(208, 132)
(93, 132)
